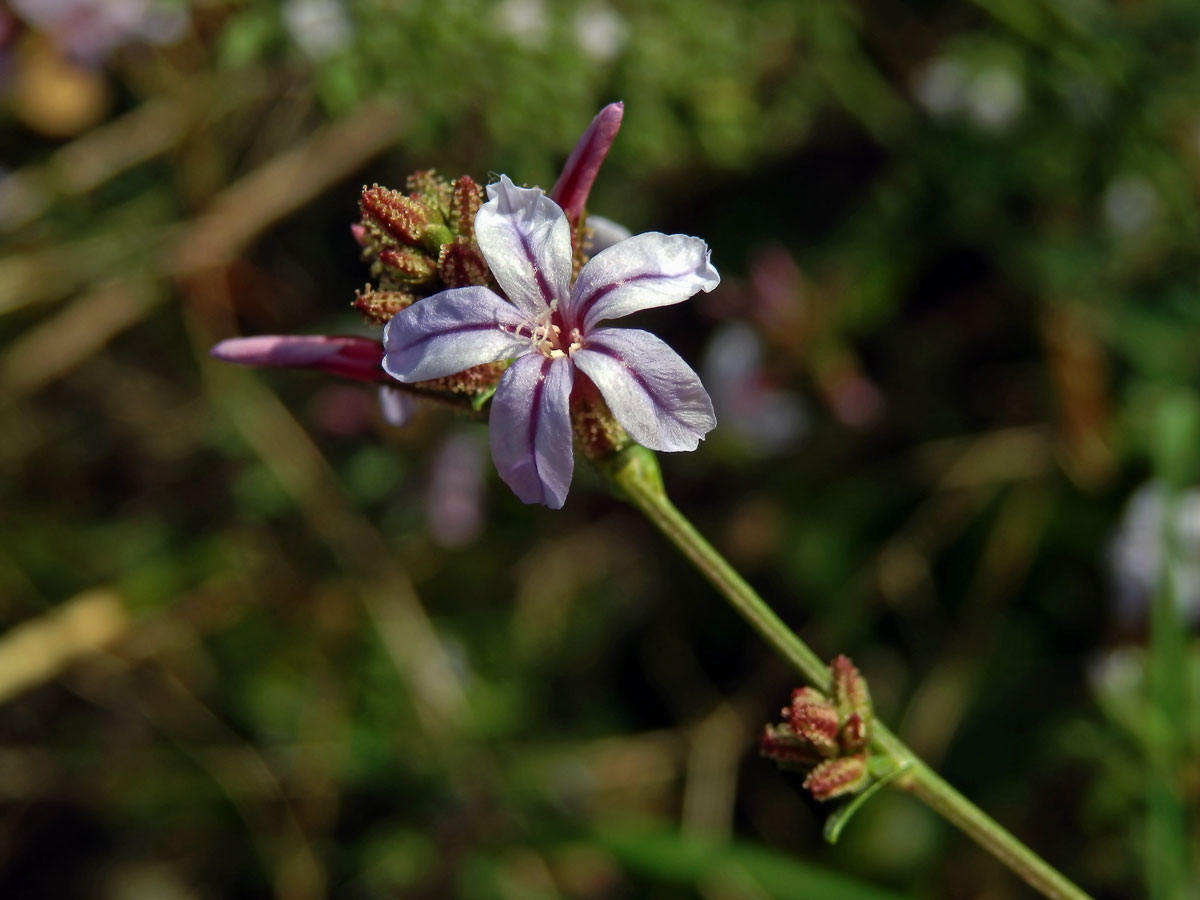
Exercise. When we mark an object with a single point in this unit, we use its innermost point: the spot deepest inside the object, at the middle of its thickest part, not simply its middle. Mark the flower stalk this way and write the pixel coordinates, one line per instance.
(635, 474)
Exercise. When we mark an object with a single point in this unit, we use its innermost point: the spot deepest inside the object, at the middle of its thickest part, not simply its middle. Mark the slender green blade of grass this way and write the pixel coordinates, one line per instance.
(671, 856)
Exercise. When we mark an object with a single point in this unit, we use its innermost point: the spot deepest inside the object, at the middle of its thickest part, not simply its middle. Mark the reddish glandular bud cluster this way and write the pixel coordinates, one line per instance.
(826, 736)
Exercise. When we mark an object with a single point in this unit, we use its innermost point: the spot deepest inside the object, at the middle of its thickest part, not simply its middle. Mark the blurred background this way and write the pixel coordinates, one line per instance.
(258, 643)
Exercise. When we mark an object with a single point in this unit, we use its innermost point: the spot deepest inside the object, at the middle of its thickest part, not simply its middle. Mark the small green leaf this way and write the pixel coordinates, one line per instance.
(840, 816)
(481, 399)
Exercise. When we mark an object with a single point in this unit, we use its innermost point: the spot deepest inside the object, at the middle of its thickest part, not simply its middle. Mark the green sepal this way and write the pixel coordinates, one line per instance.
(480, 400)
(633, 464)
(434, 235)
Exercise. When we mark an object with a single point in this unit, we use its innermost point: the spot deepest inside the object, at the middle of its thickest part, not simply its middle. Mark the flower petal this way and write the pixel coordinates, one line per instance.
(526, 241)
(357, 358)
(643, 272)
(449, 332)
(530, 429)
(653, 393)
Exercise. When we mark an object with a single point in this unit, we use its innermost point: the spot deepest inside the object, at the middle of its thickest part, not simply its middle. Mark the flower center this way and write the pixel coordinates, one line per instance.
(546, 336)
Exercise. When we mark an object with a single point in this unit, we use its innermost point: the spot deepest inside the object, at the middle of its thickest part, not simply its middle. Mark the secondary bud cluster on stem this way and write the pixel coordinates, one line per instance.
(419, 243)
(827, 737)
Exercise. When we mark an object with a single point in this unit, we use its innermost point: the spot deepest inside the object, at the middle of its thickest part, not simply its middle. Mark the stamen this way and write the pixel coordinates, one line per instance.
(576, 342)
(544, 336)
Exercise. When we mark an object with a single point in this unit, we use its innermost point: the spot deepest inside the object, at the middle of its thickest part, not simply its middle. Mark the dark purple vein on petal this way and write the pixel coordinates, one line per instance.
(655, 397)
(591, 299)
(538, 275)
(539, 388)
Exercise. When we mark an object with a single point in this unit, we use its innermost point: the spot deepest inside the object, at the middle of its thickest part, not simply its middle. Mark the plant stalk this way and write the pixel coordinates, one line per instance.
(635, 472)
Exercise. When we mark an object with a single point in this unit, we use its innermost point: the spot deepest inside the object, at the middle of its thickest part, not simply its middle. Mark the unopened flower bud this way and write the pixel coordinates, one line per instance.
(850, 690)
(399, 216)
(407, 265)
(575, 183)
(461, 264)
(781, 744)
(356, 358)
(377, 307)
(474, 385)
(815, 720)
(855, 734)
(428, 188)
(835, 777)
(465, 199)
(802, 695)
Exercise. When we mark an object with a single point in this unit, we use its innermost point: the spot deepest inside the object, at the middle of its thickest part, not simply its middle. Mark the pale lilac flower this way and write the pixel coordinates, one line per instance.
(550, 329)
(359, 358)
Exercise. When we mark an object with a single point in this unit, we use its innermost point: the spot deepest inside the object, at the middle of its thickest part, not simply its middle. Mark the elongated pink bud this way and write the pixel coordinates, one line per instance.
(575, 183)
(356, 358)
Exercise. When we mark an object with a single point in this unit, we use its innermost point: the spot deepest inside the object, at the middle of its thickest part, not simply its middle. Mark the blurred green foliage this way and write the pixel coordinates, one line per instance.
(964, 238)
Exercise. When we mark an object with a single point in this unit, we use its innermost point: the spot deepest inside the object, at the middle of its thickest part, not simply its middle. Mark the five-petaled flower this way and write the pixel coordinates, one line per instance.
(550, 330)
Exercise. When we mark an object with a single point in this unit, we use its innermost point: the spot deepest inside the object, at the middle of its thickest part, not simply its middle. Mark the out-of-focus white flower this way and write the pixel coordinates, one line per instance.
(89, 30)
(1130, 204)
(318, 27)
(768, 420)
(991, 95)
(940, 86)
(600, 32)
(994, 98)
(1136, 552)
(525, 21)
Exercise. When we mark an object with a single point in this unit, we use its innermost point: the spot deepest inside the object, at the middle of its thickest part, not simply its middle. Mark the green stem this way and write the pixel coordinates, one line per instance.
(635, 472)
